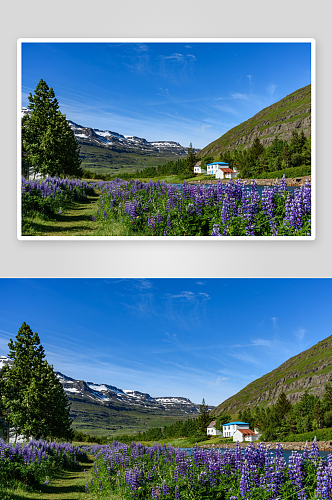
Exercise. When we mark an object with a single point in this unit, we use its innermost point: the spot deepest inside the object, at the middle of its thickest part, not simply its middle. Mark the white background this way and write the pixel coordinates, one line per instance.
(171, 18)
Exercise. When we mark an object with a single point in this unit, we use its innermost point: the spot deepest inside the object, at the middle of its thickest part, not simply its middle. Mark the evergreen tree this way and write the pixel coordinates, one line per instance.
(283, 406)
(49, 146)
(190, 160)
(221, 420)
(31, 394)
(327, 398)
(204, 418)
(256, 149)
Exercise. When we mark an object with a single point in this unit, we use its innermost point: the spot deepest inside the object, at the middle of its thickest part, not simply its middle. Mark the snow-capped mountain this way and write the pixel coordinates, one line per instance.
(109, 139)
(4, 361)
(111, 396)
(104, 393)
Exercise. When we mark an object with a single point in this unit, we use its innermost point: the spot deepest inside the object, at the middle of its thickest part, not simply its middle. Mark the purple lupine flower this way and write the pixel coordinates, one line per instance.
(215, 230)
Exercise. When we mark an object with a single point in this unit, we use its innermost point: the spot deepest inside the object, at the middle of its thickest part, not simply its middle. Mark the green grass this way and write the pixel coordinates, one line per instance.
(296, 104)
(76, 220)
(66, 485)
(308, 363)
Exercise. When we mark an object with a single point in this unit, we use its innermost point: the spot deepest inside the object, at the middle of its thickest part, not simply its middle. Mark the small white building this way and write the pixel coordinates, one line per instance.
(212, 431)
(226, 173)
(212, 168)
(198, 168)
(231, 427)
(245, 435)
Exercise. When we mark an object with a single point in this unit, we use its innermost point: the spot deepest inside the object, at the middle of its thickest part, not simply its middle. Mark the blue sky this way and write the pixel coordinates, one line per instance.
(184, 92)
(193, 338)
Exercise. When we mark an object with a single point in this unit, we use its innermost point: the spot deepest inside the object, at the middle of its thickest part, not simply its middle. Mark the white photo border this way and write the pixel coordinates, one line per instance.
(312, 41)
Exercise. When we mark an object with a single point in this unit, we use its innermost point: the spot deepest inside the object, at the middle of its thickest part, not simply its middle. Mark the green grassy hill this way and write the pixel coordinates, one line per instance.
(310, 370)
(293, 112)
(103, 160)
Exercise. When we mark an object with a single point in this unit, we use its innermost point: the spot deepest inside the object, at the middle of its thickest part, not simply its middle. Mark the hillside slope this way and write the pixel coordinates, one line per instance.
(293, 112)
(310, 370)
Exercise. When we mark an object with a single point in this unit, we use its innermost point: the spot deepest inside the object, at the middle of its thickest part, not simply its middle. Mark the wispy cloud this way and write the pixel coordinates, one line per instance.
(218, 380)
(180, 57)
(189, 295)
(271, 88)
(203, 128)
(237, 95)
(246, 357)
(300, 333)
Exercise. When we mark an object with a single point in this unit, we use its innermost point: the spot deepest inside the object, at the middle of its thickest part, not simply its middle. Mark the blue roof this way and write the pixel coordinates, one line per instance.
(238, 423)
(218, 163)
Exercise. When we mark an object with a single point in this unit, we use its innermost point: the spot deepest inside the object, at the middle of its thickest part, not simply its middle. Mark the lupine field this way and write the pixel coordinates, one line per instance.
(158, 209)
(231, 209)
(32, 463)
(51, 195)
(161, 472)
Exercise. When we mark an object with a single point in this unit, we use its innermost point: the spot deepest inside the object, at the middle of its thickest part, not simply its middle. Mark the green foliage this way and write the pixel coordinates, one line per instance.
(222, 419)
(273, 161)
(190, 160)
(301, 171)
(292, 108)
(32, 397)
(49, 146)
(204, 418)
(324, 434)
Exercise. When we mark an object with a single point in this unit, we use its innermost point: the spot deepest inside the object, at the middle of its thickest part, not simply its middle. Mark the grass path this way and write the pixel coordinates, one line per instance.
(75, 220)
(68, 485)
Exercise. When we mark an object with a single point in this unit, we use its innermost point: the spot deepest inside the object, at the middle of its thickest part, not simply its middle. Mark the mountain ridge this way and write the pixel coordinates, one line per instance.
(105, 149)
(309, 370)
(280, 119)
(96, 408)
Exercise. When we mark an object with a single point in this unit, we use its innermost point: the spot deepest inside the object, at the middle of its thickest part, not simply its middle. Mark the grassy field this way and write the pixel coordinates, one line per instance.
(67, 485)
(70, 485)
(74, 221)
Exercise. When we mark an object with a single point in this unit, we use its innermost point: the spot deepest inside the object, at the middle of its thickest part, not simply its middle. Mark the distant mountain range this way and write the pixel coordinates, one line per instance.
(100, 408)
(104, 149)
(293, 112)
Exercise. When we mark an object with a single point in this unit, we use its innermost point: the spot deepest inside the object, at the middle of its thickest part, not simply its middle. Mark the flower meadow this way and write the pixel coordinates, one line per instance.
(161, 472)
(225, 209)
(51, 195)
(31, 463)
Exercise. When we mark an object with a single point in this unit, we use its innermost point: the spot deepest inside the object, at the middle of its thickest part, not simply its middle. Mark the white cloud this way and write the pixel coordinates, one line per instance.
(217, 381)
(189, 295)
(176, 56)
(237, 95)
(300, 333)
(271, 88)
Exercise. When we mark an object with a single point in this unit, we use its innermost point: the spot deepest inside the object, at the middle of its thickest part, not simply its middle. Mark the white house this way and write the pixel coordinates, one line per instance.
(226, 173)
(211, 430)
(212, 168)
(198, 169)
(231, 427)
(245, 435)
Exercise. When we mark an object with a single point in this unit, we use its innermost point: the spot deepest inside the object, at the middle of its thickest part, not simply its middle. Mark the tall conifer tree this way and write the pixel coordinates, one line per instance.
(204, 418)
(32, 397)
(49, 146)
